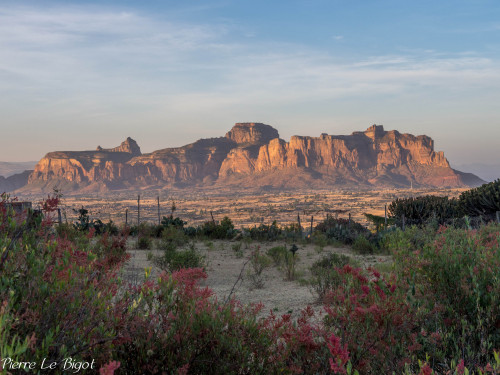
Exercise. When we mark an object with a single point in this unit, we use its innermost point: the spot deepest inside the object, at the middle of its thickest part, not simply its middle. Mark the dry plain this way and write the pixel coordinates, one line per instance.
(244, 209)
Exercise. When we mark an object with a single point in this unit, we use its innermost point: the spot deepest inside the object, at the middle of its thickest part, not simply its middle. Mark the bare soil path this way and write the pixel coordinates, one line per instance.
(224, 269)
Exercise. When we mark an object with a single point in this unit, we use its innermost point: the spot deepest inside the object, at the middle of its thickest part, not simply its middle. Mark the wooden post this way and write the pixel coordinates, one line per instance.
(212, 215)
(498, 217)
(126, 217)
(159, 220)
(138, 209)
(312, 220)
(59, 217)
(349, 220)
(300, 225)
(403, 222)
(385, 217)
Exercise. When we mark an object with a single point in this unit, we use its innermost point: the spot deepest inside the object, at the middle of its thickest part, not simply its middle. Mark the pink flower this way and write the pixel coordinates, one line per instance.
(109, 368)
(340, 355)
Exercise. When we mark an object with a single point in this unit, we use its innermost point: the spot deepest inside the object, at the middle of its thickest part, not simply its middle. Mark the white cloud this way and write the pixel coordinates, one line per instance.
(89, 63)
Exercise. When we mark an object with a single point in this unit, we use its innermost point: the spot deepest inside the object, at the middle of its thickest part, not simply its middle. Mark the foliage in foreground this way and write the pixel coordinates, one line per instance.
(61, 296)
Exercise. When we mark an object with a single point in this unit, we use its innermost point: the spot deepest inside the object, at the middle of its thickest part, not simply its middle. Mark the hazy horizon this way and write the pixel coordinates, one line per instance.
(75, 75)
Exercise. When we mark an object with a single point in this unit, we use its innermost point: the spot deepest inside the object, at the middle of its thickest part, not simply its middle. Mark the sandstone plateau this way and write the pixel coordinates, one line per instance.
(252, 156)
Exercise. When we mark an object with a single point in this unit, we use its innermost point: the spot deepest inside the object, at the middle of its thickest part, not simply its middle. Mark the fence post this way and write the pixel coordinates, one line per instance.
(212, 215)
(403, 222)
(159, 220)
(59, 218)
(349, 220)
(312, 219)
(300, 226)
(138, 209)
(385, 217)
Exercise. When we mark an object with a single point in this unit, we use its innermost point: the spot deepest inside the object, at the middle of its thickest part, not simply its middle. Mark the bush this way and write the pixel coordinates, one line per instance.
(421, 210)
(174, 260)
(325, 274)
(481, 201)
(372, 322)
(172, 237)
(259, 263)
(363, 246)
(63, 303)
(278, 255)
(456, 277)
(221, 231)
(144, 243)
(341, 230)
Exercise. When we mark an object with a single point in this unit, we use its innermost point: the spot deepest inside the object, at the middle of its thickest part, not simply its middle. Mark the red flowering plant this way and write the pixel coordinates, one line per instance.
(455, 277)
(373, 325)
(56, 294)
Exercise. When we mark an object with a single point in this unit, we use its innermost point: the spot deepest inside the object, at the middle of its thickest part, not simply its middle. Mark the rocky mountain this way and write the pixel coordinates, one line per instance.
(252, 156)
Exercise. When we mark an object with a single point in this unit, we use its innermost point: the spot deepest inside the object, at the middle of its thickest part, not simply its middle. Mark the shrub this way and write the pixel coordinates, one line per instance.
(421, 210)
(144, 243)
(237, 249)
(341, 229)
(372, 321)
(362, 245)
(223, 230)
(483, 200)
(61, 304)
(277, 254)
(259, 263)
(456, 277)
(174, 260)
(325, 274)
(172, 237)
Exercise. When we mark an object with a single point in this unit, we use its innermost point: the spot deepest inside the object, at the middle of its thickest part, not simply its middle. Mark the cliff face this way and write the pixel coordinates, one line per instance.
(252, 155)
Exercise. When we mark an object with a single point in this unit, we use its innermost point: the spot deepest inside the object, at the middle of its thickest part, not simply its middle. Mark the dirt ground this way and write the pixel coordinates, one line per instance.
(224, 267)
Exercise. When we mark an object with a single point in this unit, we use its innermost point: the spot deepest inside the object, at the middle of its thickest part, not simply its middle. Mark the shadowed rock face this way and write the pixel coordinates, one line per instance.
(251, 155)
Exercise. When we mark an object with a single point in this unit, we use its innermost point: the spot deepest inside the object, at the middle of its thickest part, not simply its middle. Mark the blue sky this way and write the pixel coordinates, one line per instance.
(77, 74)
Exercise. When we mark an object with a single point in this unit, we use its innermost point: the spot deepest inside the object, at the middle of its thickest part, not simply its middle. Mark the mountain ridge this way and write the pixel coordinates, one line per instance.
(252, 156)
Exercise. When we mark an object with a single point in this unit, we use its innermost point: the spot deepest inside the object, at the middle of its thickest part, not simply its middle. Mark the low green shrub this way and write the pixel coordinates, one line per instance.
(259, 263)
(363, 246)
(144, 243)
(277, 254)
(174, 260)
(325, 273)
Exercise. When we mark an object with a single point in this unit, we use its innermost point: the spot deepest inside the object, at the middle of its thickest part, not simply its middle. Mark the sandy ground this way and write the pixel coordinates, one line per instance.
(224, 267)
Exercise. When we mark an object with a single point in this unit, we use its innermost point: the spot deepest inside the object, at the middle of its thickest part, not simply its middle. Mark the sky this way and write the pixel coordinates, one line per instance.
(77, 74)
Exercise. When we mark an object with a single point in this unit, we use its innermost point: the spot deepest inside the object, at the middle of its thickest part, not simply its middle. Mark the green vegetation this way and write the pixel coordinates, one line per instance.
(434, 309)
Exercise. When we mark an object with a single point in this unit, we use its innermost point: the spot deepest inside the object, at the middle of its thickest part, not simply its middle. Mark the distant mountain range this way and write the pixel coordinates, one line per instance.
(251, 156)
(488, 172)
(10, 168)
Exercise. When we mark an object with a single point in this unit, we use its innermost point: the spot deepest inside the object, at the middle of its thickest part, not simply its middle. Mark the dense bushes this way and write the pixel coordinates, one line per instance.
(61, 297)
(342, 230)
(455, 276)
(483, 201)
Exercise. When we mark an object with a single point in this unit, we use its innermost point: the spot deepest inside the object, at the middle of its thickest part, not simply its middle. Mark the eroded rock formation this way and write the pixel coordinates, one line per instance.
(251, 155)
